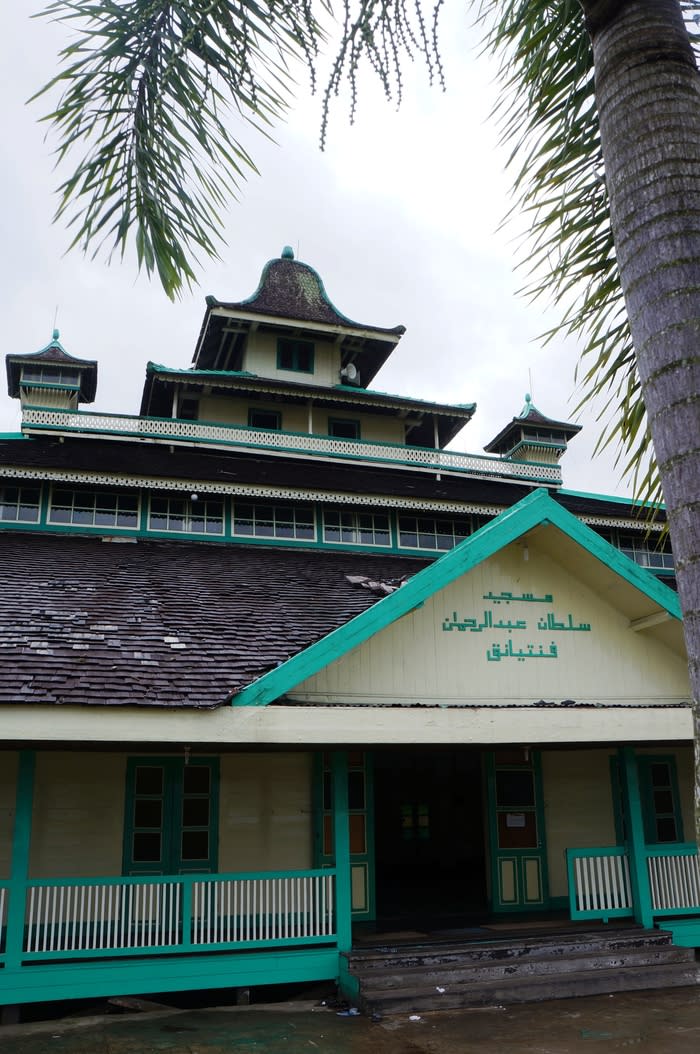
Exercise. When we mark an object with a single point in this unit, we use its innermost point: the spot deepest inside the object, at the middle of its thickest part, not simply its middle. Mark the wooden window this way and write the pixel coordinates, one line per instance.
(94, 508)
(343, 428)
(171, 816)
(263, 520)
(186, 515)
(271, 419)
(356, 528)
(296, 355)
(660, 801)
(433, 532)
(20, 504)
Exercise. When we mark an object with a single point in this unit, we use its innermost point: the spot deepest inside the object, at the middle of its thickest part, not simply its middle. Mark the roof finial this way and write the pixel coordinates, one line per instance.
(287, 253)
(55, 335)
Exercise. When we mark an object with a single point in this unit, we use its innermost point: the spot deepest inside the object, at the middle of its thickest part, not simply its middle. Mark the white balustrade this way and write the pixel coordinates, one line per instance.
(153, 913)
(602, 883)
(234, 435)
(241, 910)
(89, 917)
(674, 880)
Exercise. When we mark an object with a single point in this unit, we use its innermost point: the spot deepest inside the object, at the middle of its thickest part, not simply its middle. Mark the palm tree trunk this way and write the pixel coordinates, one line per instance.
(648, 95)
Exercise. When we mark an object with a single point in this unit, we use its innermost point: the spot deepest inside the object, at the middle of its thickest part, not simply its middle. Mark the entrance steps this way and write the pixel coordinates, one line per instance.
(449, 976)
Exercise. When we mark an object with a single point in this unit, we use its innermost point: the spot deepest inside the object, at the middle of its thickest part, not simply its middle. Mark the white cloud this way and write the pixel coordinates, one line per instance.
(399, 216)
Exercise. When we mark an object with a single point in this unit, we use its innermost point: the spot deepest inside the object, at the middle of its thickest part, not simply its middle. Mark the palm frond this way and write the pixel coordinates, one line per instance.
(149, 93)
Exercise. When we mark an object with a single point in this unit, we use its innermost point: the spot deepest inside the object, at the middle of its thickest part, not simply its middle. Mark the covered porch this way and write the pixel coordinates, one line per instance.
(76, 936)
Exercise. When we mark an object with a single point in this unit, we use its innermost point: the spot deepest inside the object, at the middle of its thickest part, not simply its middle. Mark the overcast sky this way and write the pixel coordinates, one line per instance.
(399, 216)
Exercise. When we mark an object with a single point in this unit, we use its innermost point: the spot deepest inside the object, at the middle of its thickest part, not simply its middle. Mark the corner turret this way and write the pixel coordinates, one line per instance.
(51, 378)
(531, 436)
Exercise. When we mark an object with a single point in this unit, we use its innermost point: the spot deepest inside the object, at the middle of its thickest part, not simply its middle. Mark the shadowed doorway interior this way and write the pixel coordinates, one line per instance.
(429, 835)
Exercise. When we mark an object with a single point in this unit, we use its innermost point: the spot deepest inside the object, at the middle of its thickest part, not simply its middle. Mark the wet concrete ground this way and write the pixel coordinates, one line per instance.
(664, 1022)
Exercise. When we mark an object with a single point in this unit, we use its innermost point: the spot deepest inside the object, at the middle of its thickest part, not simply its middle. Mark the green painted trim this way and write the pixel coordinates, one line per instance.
(168, 973)
(341, 847)
(172, 800)
(185, 947)
(639, 873)
(19, 863)
(618, 499)
(535, 509)
(645, 761)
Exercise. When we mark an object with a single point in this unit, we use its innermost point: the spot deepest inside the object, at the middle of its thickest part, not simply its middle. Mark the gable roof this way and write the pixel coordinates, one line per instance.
(535, 510)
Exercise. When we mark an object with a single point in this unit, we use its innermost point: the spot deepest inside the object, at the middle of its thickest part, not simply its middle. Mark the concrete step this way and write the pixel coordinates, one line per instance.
(511, 990)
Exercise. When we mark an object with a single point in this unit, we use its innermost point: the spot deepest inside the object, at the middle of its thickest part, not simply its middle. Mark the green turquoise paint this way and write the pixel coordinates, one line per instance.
(341, 846)
(19, 868)
(639, 875)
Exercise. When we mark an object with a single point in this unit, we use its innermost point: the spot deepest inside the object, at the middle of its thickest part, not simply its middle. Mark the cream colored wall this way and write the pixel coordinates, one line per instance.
(295, 417)
(265, 812)
(415, 658)
(8, 788)
(261, 358)
(578, 807)
(234, 411)
(78, 815)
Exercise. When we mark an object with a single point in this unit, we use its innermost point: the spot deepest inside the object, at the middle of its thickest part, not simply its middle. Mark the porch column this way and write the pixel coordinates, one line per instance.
(639, 872)
(341, 849)
(19, 867)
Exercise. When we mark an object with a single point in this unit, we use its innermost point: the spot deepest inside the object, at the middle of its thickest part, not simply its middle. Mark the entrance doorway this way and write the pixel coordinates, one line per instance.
(429, 835)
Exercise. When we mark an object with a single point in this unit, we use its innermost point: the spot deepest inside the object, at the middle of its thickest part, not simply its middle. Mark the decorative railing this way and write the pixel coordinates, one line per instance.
(171, 430)
(106, 917)
(674, 878)
(599, 883)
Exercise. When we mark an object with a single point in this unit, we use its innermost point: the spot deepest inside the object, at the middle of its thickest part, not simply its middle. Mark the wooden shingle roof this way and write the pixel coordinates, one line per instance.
(169, 624)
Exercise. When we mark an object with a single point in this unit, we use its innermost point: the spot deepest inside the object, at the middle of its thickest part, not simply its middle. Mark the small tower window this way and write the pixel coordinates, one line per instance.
(343, 428)
(296, 355)
(264, 419)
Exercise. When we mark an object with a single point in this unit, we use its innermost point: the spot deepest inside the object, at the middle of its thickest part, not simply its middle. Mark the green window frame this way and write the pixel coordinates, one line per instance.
(171, 816)
(433, 532)
(295, 355)
(344, 427)
(660, 800)
(266, 520)
(663, 822)
(20, 504)
(186, 515)
(351, 527)
(260, 418)
(79, 507)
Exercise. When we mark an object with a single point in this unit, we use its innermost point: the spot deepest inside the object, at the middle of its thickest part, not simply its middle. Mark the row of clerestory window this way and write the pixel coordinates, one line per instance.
(211, 516)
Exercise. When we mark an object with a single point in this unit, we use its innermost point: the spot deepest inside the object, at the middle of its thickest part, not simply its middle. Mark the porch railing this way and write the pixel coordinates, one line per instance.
(599, 883)
(600, 888)
(674, 877)
(106, 917)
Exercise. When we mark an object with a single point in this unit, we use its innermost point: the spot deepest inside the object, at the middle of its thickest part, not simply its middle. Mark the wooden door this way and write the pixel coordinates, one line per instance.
(516, 823)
